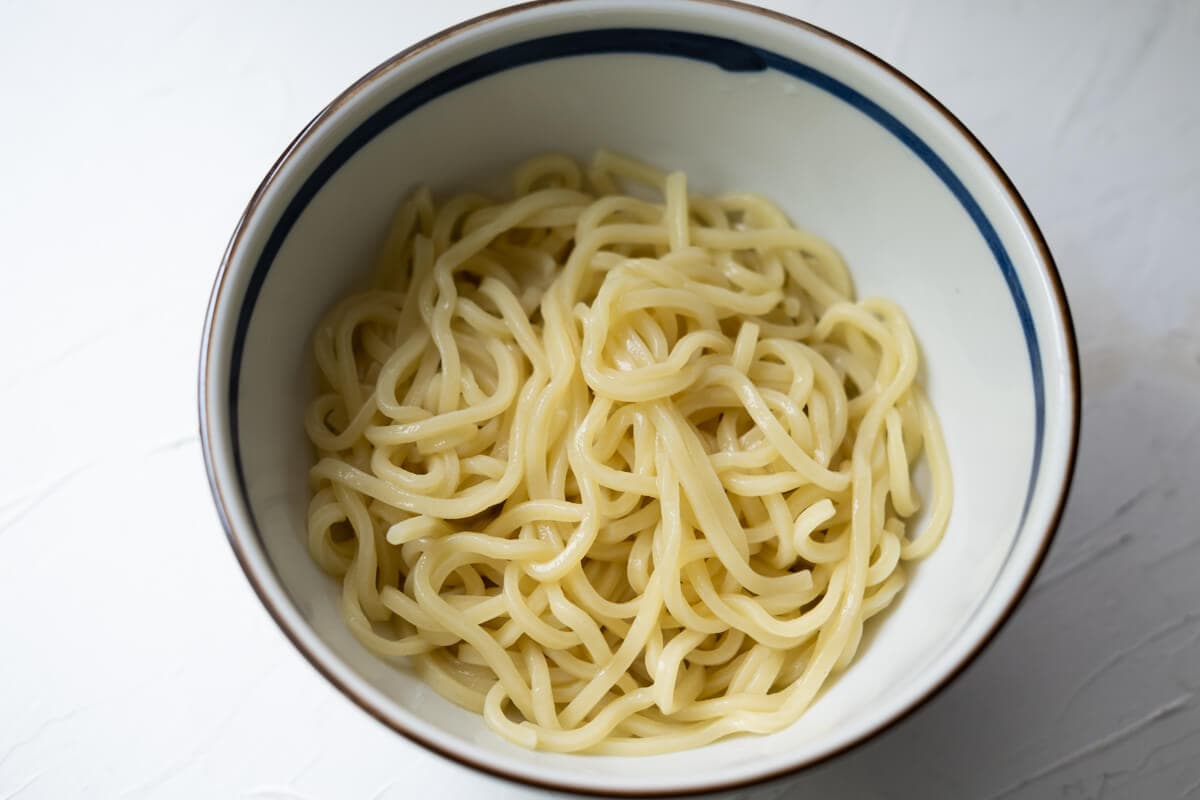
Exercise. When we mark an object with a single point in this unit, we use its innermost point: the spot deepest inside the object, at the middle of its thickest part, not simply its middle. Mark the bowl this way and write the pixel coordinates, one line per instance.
(740, 98)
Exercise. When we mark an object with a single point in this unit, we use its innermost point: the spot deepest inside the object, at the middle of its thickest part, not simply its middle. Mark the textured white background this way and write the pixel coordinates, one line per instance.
(136, 662)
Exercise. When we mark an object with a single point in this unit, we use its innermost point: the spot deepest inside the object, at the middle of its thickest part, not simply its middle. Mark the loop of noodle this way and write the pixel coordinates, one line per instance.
(622, 476)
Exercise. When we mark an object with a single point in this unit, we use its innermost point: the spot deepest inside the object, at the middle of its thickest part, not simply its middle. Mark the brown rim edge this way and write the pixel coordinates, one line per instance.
(1068, 330)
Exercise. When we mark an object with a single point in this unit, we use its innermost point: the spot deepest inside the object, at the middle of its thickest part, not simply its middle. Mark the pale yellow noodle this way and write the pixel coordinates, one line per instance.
(623, 476)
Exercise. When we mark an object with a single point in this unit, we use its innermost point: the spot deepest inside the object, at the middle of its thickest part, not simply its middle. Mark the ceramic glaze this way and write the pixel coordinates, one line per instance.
(739, 100)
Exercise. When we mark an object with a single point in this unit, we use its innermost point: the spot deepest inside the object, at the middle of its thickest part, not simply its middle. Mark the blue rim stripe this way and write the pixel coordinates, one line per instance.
(724, 53)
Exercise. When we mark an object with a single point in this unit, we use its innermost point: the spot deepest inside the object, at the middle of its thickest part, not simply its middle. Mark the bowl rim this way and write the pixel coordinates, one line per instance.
(250, 568)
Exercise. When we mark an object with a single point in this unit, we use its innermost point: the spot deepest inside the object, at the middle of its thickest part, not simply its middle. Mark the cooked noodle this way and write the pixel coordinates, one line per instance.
(623, 476)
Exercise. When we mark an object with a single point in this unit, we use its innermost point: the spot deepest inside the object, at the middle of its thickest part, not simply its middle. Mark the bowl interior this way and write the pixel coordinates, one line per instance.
(849, 150)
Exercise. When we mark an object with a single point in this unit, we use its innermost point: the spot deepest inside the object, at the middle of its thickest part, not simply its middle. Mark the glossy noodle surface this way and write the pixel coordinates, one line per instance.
(622, 467)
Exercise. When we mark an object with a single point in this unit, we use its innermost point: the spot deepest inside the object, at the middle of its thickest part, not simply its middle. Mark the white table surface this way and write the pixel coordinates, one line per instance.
(136, 662)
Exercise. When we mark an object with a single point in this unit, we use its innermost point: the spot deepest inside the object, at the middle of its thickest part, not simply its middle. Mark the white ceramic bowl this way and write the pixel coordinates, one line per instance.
(740, 99)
